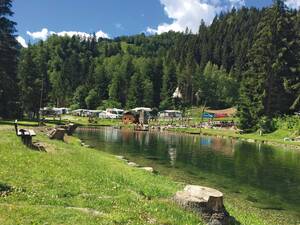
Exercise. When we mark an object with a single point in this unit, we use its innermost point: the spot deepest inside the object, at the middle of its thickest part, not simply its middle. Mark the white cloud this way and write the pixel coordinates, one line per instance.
(237, 3)
(45, 33)
(189, 13)
(101, 34)
(293, 4)
(22, 41)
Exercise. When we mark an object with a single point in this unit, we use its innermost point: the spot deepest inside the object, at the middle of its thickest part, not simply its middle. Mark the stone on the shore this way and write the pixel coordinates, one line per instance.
(148, 169)
(120, 157)
(206, 201)
(133, 164)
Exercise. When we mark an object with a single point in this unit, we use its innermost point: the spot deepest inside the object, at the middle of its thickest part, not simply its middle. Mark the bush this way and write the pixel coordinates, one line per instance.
(288, 123)
(266, 124)
(92, 100)
(75, 106)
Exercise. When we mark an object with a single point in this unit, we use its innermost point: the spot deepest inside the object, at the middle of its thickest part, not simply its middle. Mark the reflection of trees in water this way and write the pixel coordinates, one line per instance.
(223, 146)
(111, 135)
(275, 170)
(126, 135)
(172, 155)
(261, 166)
(142, 138)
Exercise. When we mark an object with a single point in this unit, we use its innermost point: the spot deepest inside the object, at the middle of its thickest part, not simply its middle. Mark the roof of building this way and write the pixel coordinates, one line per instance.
(142, 108)
(230, 111)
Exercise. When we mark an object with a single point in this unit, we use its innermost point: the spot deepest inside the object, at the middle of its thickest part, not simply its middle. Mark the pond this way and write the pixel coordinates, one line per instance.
(264, 175)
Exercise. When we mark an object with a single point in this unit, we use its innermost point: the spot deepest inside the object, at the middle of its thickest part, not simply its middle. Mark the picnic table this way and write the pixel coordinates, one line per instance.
(26, 135)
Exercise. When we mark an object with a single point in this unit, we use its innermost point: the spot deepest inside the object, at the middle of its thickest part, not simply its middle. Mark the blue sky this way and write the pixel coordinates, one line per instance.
(111, 18)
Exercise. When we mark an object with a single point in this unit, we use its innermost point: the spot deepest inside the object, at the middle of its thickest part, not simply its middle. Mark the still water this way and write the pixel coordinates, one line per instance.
(263, 174)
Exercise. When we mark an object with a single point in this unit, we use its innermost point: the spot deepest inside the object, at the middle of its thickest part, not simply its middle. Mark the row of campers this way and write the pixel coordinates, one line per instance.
(143, 115)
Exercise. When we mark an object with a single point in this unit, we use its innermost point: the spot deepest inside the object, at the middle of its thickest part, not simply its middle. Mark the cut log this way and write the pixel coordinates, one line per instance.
(57, 134)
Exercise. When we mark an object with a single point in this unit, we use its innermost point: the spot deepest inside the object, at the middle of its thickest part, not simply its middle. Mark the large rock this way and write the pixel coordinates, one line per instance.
(148, 169)
(133, 164)
(206, 201)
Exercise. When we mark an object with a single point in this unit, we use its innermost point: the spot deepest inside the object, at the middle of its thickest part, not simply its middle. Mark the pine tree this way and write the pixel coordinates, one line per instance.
(101, 81)
(169, 83)
(79, 97)
(140, 91)
(117, 92)
(41, 59)
(92, 101)
(8, 62)
(157, 80)
(273, 60)
(30, 82)
(186, 79)
(135, 95)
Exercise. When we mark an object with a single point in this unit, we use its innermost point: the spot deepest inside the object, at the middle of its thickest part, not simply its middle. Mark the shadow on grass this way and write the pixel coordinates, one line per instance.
(5, 189)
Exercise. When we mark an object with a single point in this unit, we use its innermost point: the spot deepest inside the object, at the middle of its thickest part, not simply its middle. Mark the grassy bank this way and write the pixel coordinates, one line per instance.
(71, 184)
(276, 137)
(97, 121)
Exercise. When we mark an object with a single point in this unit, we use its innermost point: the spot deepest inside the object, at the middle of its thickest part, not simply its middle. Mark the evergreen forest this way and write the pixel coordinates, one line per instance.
(247, 58)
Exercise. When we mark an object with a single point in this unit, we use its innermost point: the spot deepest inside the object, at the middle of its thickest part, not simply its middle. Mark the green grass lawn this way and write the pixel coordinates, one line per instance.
(75, 185)
(98, 121)
(65, 119)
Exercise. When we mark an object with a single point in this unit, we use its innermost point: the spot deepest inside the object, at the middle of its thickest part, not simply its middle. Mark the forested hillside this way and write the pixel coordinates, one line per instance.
(247, 58)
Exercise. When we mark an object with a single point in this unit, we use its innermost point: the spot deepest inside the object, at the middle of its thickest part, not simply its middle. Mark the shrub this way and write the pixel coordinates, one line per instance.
(266, 124)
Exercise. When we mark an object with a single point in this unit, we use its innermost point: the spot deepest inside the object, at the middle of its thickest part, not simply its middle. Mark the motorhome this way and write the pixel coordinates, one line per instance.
(170, 114)
(112, 114)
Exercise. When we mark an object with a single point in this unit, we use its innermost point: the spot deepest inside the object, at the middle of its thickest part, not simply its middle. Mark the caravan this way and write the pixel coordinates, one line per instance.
(112, 114)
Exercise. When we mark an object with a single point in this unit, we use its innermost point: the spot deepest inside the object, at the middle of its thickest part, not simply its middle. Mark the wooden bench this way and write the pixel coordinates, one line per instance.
(26, 135)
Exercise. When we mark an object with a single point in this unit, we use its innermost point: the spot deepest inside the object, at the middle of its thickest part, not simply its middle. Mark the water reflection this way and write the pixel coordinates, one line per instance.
(259, 166)
(172, 155)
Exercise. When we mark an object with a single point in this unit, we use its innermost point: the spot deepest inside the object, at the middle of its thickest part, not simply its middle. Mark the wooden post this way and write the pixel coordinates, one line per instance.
(16, 126)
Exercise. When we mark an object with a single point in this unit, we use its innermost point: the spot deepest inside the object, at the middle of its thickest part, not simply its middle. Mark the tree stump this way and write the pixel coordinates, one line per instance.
(206, 201)
(57, 134)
